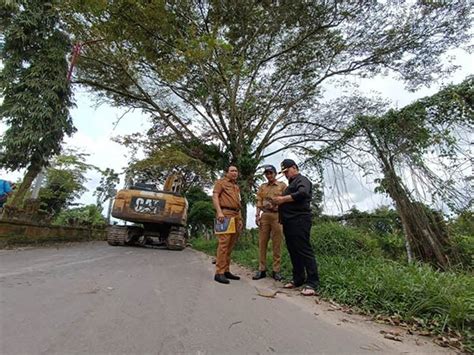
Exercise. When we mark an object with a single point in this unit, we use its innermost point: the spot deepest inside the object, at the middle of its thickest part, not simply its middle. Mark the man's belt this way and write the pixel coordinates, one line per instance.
(231, 209)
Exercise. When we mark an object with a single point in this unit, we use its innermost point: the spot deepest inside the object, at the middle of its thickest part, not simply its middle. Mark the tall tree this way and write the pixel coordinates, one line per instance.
(107, 186)
(201, 212)
(65, 180)
(106, 190)
(420, 147)
(36, 96)
(240, 80)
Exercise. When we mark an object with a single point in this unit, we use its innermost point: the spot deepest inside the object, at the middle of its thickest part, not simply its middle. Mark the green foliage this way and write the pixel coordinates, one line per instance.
(195, 194)
(464, 245)
(61, 189)
(237, 80)
(382, 220)
(463, 224)
(353, 272)
(335, 239)
(201, 216)
(382, 286)
(392, 246)
(65, 180)
(207, 246)
(461, 230)
(107, 184)
(165, 160)
(201, 211)
(382, 228)
(36, 96)
(89, 215)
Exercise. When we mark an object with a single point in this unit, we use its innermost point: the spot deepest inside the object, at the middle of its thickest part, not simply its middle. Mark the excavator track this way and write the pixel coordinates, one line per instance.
(176, 239)
(117, 235)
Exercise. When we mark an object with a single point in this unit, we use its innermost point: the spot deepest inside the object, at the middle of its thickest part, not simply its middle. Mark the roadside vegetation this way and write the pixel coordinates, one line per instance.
(368, 271)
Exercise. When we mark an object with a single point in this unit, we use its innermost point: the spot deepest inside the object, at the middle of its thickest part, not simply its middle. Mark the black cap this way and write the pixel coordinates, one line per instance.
(287, 163)
(269, 168)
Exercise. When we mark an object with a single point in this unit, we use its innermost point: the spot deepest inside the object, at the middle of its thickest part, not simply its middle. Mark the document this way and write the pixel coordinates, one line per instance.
(226, 227)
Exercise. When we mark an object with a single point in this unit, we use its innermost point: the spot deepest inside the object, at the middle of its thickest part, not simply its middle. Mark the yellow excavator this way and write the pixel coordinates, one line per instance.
(159, 217)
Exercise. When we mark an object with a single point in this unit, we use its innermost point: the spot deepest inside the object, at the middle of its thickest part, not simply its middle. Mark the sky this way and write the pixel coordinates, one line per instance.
(97, 125)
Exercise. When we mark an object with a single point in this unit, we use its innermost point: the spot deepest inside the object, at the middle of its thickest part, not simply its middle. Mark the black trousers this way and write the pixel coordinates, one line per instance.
(297, 237)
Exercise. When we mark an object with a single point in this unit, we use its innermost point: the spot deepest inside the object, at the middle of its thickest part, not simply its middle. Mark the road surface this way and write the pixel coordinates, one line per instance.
(92, 298)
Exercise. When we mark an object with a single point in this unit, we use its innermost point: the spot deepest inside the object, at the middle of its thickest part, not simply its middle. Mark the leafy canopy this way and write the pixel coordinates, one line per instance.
(65, 182)
(244, 79)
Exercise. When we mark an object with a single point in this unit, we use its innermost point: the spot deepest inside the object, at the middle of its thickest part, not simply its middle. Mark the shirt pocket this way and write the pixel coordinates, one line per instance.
(229, 190)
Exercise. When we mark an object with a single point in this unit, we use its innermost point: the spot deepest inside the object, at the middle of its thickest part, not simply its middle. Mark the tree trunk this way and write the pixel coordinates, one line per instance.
(409, 251)
(426, 239)
(245, 193)
(243, 210)
(423, 236)
(19, 195)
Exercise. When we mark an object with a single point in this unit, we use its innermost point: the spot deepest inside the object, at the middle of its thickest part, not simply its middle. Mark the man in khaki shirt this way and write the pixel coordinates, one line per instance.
(226, 200)
(267, 221)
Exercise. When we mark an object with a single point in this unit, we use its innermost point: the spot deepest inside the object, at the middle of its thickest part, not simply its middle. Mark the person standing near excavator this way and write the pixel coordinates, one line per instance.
(226, 200)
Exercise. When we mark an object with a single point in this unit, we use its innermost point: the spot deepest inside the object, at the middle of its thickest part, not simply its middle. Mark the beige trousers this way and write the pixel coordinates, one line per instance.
(226, 243)
(270, 228)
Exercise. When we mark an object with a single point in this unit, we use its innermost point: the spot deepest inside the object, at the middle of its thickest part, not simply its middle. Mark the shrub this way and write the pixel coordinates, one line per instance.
(335, 239)
(392, 246)
(379, 285)
(89, 215)
(201, 216)
(464, 245)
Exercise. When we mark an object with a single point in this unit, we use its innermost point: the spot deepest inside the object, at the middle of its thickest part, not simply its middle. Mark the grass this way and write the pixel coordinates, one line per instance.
(355, 270)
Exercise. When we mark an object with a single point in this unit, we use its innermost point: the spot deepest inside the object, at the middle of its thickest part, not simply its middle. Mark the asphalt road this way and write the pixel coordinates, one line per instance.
(95, 299)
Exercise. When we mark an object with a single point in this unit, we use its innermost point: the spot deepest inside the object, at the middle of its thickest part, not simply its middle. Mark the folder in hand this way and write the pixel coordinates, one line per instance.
(226, 227)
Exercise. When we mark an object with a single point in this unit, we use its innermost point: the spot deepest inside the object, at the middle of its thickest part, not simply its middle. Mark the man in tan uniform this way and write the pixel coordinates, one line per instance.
(226, 200)
(267, 221)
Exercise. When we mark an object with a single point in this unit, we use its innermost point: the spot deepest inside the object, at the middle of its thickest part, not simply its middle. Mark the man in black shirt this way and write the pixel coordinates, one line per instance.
(295, 216)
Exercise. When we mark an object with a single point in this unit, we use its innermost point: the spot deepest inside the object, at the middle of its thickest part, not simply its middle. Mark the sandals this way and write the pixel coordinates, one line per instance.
(291, 284)
(308, 291)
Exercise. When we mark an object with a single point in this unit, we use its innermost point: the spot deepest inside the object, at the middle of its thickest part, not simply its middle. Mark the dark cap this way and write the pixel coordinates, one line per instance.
(287, 163)
(269, 168)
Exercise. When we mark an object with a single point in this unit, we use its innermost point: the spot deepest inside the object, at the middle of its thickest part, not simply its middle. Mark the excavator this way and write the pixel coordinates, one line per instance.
(158, 217)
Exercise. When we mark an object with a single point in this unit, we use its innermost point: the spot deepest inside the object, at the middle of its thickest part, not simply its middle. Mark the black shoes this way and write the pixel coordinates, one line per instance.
(224, 278)
(221, 278)
(259, 275)
(262, 274)
(231, 276)
(277, 276)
